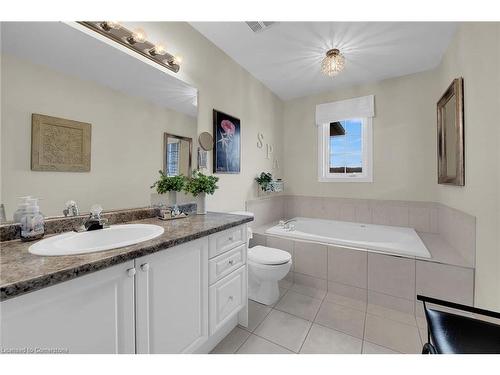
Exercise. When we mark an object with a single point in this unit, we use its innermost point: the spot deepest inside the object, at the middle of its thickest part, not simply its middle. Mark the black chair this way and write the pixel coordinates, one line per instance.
(449, 333)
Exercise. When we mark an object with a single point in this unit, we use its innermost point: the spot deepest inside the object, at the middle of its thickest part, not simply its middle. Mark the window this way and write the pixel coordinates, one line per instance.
(345, 151)
(173, 159)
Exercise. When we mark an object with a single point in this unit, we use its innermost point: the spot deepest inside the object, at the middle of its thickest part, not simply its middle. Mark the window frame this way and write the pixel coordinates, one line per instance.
(324, 174)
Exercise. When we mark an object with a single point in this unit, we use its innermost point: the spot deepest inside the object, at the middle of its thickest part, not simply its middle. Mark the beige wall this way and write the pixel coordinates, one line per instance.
(226, 86)
(475, 55)
(404, 166)
(127, 139)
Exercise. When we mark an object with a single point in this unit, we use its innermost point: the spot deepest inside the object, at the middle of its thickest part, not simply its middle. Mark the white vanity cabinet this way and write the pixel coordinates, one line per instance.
(228, 277)
(172, 299)
(183, 299)
(90, 314)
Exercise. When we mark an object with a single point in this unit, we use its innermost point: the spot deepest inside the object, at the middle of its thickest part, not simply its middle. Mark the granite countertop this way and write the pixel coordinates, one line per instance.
(22, 272)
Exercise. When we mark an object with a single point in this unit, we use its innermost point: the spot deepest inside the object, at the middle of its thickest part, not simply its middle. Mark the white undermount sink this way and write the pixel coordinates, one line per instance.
(115, 236)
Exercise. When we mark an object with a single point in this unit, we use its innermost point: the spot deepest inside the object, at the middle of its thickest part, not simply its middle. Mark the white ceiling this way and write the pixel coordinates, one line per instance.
(287, 56)
(88, 56)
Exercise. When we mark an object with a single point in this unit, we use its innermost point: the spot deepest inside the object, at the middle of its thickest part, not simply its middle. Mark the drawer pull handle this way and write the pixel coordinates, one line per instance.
(231, 238)
(131, 272)
(230, 298)
(231, 262)
(145, 267)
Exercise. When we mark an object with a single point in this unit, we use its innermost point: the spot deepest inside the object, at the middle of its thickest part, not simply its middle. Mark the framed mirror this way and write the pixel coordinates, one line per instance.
(177, 155)
(450, 129)
(76, 77)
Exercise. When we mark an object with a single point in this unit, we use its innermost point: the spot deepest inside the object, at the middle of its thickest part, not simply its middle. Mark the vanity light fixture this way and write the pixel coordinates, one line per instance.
(333, 63)
(135, 40)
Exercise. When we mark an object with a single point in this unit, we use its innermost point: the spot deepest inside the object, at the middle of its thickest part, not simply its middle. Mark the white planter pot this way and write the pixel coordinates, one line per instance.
(172, 198)
(201, 201)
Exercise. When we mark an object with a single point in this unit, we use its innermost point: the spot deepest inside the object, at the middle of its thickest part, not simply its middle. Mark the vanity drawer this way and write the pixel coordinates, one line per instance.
(228, 239)
(224, 264)
(227, 297)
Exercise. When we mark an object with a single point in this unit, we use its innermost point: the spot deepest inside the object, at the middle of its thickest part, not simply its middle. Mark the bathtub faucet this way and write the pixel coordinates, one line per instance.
(285, 224)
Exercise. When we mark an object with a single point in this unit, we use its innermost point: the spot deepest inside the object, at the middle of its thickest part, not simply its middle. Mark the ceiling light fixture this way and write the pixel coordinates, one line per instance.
(333, 63)
(136, 41)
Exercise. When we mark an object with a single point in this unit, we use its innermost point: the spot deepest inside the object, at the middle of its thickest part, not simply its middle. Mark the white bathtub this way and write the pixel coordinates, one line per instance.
(381, 238)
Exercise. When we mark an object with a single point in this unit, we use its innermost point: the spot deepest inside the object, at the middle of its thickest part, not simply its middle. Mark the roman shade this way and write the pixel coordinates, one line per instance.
(327, 113)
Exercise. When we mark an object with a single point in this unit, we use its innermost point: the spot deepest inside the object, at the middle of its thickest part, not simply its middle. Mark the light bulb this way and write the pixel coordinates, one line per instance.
(177, 60)
(108, 25)
(113, 24)
(158, 49)
(138, 36)
(333, 63)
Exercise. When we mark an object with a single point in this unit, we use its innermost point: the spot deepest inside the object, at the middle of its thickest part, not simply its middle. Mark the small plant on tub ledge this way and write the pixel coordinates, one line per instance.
(199, 185)
(169, 184)
(267, 184)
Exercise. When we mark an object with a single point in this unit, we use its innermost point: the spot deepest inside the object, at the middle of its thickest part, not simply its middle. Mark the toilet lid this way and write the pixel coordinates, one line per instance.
(268, 255)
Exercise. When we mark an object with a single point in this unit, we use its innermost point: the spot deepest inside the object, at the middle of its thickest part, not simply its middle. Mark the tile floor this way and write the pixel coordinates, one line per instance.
(306, 320)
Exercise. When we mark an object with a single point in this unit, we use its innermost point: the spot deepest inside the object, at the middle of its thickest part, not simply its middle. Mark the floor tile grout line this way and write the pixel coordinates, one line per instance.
(311, 324)
(364, 333)
(392, 320)
(337, 330)
(384, 346)
(275, 343)
(262, 321)
(244, 341)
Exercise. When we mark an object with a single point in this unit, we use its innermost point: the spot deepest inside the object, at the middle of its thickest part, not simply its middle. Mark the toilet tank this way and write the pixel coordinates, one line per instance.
(249, 230)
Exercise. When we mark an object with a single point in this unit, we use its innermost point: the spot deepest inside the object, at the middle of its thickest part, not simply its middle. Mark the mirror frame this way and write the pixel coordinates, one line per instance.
(166, 136)
(454, 90)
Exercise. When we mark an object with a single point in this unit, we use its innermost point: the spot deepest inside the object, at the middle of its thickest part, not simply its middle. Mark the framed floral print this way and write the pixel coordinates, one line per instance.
(227, 143)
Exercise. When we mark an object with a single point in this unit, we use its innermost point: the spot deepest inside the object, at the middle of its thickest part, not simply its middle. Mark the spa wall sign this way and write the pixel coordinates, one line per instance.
(269, 149)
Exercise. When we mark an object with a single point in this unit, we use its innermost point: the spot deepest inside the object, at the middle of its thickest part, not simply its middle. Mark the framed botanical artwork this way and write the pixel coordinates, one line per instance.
(227, 143)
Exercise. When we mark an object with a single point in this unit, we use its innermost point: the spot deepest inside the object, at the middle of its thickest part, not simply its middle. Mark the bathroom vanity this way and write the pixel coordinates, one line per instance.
(179, 293)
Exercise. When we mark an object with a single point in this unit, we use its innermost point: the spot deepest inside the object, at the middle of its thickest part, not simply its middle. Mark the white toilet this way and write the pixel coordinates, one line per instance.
(266, 266)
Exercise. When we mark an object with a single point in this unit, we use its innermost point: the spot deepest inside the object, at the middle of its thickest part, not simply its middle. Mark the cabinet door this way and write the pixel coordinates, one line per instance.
(90, 314)
(172, 299)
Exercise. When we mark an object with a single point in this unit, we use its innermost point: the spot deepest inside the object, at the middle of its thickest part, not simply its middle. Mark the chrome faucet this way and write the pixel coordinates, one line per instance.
(285, 224)
(94, 221)
(71, 209)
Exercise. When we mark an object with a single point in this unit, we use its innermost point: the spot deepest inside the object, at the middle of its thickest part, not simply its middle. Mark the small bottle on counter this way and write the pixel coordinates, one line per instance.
(21, 208)
(32, 221)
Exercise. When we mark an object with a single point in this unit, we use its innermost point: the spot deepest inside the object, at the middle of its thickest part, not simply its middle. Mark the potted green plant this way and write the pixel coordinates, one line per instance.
(265, 181)
(199, 185)
(169, 184)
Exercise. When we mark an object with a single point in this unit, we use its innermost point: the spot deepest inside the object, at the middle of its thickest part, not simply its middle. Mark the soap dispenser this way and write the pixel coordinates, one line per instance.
(32, 221)
(21, 208)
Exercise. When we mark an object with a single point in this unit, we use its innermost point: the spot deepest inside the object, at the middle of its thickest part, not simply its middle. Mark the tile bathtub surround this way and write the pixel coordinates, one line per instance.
(347, 266)
(22, 272)
(266, 210)
(456, 228)
(391, 275)
(11, 231)
(367, 281)
(459, 230)
(310, 259)
(455, 284)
